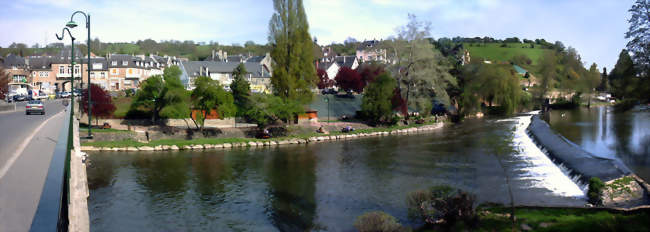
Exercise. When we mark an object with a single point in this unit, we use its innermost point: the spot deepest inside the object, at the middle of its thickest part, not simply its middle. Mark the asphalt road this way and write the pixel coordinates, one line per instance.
(22, 174)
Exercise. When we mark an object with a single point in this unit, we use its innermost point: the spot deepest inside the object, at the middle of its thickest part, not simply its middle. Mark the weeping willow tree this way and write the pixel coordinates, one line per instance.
(491, 85)
(421, 71)
(294, 74)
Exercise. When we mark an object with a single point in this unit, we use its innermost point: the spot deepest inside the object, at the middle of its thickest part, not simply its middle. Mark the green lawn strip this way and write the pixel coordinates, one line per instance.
(85, 129)
(566, 219)
(201, 141)
(122, 105)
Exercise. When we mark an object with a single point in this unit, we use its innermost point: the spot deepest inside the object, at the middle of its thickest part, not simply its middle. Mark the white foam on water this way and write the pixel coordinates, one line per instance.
(540, 170)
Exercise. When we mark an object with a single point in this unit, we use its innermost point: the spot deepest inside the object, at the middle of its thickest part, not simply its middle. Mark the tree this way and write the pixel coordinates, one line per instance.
(163, 95)
(323, 80)
(623, 76)
(604, 82)
(548, 74)
(369, 72)
(102, 102)
(494, 84)
(292, 51)
(268, 109)
(4, 82)
(209, 95)
(376, 105)
(639, 36)
(590, 82)
(241, 89)
(420, 70)
(349, 80)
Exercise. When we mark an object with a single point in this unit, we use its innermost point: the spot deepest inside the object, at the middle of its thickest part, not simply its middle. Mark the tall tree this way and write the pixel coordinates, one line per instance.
(548, 74)
(209, 95)
(639, 35)
(292, 50)
(420, 70)
(241, 89)
(623, 76)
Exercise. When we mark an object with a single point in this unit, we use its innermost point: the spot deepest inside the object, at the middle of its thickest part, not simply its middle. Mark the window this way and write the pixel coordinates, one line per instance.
(103, 75)
(92, 74)
(69, 69)
(61, 70)
(114, 71)
(125, 63)
(76, 69)
(114, 63)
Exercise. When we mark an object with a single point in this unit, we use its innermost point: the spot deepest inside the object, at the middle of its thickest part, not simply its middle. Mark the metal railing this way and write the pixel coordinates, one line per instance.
(52, 211)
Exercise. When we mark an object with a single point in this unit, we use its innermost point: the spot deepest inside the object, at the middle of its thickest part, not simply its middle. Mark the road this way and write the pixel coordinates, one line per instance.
(26, 146)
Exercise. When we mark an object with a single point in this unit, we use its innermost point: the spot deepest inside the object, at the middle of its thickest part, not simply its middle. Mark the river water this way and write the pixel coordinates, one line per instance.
(319, 187)
(623, 136)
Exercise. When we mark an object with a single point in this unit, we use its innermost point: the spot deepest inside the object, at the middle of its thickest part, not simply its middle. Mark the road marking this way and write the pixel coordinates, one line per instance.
(23, 145)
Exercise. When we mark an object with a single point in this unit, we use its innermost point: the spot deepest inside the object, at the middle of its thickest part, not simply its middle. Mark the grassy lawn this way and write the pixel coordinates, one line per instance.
(183, 142)
(564, 219)
(84, 128)
(122, 105)
(495, 53)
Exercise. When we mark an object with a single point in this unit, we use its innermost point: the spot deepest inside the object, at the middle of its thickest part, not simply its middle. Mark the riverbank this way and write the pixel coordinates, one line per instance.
(222, 143)
(563, 219)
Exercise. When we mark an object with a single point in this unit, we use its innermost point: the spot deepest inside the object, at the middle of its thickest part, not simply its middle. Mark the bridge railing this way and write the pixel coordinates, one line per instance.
(52, 211)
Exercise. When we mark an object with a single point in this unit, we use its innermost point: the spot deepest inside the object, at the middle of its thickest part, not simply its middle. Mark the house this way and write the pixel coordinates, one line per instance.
(331, 68)
(17, 69)
(258, 74)
(347, 61)
(128, 71)
(42, 74)
(371, 51)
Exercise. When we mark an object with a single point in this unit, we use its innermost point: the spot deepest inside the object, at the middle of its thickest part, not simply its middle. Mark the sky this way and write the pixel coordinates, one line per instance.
(595, 28)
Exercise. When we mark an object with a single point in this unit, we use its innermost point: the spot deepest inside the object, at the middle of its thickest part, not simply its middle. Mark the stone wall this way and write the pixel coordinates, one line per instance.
(7, 107)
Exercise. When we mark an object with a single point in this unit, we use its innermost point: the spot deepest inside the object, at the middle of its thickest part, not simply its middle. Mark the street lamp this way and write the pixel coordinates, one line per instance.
(71, 73)
(73, 24)
(327, 99)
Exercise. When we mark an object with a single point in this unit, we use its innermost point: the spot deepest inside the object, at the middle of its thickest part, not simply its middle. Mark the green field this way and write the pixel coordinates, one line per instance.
(495, 53)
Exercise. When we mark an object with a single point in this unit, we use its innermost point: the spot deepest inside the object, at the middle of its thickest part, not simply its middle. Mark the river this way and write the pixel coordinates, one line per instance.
(623, 136)
(318, 187)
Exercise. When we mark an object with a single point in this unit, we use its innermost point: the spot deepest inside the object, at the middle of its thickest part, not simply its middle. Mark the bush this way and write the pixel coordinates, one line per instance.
(595, 191)
(377, 221)
(625, 105)
(442, 205)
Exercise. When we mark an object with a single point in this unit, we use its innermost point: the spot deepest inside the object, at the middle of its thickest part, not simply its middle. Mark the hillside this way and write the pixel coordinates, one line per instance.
(494, 52)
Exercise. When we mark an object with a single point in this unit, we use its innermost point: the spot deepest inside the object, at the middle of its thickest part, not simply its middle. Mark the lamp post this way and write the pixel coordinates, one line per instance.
(73, 24)
(327, 99)
(72, 69)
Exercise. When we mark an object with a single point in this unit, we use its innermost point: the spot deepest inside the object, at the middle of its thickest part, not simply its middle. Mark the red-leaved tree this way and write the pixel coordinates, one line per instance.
(349, 80)
(369, 72)
(399, 104)
(102, 102)
(324, 80)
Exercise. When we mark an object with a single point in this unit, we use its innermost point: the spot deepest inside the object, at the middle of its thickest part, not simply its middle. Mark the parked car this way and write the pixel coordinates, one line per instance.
(20, 98)
(35, 106)
(329, 91)
(65, 94)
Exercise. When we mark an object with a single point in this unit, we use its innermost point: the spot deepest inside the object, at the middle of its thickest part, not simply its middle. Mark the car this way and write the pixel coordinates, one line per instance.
(20, 98)
(65, 94)
(35, 106)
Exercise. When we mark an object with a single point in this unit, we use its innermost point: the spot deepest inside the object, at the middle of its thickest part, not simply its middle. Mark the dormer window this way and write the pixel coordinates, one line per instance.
(125, 63)
(114, 63)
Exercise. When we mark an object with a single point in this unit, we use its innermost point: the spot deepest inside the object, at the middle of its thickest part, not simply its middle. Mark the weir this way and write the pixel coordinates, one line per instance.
(578, 162)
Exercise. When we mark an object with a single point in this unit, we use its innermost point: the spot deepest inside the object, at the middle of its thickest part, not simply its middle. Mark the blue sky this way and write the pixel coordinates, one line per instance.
(595, 28)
